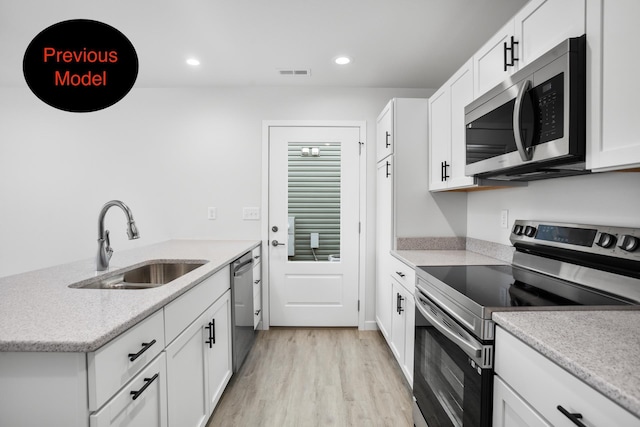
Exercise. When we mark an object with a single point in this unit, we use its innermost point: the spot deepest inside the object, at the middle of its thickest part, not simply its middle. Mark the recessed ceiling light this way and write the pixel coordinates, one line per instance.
(193, 61)
(342, 60)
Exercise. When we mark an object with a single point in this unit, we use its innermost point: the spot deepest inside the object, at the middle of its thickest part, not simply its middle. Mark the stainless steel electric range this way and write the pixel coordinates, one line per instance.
(555, 266)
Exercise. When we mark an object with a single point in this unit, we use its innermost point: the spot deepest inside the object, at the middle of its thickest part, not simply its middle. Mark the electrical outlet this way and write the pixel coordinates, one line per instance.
(251, 214)
(212, 213)
(504, 218)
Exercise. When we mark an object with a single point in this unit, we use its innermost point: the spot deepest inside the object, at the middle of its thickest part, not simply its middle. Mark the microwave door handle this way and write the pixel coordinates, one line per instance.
(465, 345)
(525, 154)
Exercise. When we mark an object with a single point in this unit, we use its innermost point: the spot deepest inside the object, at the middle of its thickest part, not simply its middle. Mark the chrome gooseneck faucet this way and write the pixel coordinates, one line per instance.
(104, 247)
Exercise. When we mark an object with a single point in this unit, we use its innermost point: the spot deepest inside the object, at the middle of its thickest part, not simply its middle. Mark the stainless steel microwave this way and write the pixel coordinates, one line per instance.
(532, 126)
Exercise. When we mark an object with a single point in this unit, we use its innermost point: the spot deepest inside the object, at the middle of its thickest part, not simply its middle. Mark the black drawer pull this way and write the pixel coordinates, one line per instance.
(256, 281)
(212, 333)
(145, 347)
(256, 257)
(257, 312)
(575, 418)
(147, 381)
(400, 273)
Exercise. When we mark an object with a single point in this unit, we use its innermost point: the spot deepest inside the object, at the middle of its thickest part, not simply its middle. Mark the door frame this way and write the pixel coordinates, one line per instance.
(362, 183)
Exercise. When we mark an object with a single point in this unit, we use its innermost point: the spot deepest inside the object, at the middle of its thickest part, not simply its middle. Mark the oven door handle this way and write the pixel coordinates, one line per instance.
(466, 346)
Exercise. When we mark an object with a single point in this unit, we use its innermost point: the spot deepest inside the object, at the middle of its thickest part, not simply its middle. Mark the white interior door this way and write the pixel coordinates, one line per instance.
(313, 225)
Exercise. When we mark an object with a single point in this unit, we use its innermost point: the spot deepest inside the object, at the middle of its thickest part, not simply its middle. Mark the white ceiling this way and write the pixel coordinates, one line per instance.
(393, 43)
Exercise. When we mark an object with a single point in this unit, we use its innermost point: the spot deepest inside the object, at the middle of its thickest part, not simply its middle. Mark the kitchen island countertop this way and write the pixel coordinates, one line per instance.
(39, 312)
(602, 348)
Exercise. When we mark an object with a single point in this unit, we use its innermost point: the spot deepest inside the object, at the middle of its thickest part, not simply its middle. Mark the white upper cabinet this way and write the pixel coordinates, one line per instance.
(447, 139)
(384, 129)
(539, 26)
(612, 82)
(542, 24)
(491, 62)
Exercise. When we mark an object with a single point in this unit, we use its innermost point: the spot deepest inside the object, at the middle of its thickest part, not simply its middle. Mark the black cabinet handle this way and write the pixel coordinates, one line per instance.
(386, 142)
(256, 281)
(443, 171)
(257, 312)
(147, 381)
(399, 300)
(400, 273)
(388, 173)
(212, 333)
(575, 418)
(256, 257)
(513, 54)
(145, 347)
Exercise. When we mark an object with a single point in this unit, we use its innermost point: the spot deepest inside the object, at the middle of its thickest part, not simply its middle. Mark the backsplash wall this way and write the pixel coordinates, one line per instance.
(611, 198)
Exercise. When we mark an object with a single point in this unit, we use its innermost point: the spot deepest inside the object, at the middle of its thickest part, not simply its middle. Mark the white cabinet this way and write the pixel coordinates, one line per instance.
(537, 27)
(141, 403)
(535, 388)
(257, 288)
(384, 133)
(612, 79)
(384, 206)
(491, 61)
(402, 327)
(447, 139)
(199, 365)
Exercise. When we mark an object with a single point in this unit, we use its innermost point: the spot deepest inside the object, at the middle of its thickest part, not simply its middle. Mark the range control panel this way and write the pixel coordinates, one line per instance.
(618, 242)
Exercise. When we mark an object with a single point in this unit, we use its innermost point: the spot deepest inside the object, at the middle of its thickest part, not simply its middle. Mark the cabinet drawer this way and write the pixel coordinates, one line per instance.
(544, 385)
(110, 367)
(149, 409)
(180, 313)
(404, 274)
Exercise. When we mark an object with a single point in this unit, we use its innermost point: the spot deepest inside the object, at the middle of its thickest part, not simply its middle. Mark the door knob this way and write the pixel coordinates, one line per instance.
(275, 243)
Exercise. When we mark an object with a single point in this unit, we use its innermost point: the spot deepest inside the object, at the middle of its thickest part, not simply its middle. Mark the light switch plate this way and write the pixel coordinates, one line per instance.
(251, 214)
(212, 213)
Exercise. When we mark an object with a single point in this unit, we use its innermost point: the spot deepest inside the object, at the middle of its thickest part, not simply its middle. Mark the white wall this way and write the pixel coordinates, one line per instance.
(167, 153)
(599, 199)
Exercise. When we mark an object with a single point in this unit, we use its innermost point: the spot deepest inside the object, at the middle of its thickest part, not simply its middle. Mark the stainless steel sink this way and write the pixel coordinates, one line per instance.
(150, 275)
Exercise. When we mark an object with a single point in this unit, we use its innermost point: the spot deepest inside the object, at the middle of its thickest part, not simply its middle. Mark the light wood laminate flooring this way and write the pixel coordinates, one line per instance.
(316, 377)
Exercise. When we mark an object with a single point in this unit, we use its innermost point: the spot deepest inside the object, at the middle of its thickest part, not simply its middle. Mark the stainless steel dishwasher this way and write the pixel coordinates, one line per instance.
(242, 308)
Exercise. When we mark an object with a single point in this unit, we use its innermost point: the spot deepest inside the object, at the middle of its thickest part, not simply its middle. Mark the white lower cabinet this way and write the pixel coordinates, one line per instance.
(199, 366)
(141, 403)
(530, 390)
(402, 328)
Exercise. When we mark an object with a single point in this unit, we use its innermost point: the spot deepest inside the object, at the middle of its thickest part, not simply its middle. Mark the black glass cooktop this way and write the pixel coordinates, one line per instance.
(509, 286)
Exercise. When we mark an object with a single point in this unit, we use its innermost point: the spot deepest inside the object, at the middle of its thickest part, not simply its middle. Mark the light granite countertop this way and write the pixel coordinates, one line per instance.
(602, 348)
(415, 258)
(39, 312)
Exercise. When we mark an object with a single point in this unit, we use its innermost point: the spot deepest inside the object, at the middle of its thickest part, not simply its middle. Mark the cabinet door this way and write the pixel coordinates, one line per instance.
(488, 62)
(509, 410)
(439, 138)
(409, 337)
(461, 88)
(384, 211)
(187, 375)
(398, 320)
(141, 403)
(612, 76)
(384, 132)
(219, 349)
(542, 24)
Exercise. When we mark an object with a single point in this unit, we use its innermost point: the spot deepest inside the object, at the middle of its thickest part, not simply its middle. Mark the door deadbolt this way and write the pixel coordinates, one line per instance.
(274, 228)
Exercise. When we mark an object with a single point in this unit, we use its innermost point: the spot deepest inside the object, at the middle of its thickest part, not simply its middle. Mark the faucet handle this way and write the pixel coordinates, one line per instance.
(107, 248)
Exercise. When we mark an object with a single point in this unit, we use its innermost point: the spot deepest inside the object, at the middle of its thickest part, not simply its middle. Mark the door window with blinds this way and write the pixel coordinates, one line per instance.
(314, 201)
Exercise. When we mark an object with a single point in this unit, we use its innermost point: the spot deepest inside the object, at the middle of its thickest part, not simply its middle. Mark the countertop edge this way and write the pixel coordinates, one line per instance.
(62, 346)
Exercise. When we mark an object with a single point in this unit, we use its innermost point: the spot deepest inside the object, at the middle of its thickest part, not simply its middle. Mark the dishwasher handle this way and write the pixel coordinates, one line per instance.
(239, 268)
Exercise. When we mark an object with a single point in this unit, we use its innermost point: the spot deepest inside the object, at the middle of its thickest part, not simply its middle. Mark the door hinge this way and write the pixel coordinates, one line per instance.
(358, 305)
(359, 227)
(360, 148)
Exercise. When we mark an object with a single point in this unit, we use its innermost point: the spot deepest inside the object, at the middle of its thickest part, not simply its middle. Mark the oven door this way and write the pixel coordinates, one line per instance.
(451, 386)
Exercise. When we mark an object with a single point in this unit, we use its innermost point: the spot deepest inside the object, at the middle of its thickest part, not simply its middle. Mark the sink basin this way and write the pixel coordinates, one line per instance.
(150, 275)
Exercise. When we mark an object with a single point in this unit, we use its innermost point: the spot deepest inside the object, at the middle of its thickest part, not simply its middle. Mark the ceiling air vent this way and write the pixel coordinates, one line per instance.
(292, 72)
